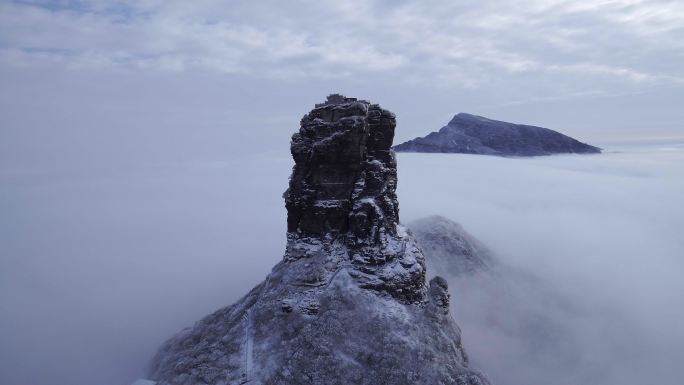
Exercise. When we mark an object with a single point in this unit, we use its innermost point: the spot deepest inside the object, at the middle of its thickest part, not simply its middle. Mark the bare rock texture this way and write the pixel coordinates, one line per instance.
(471, 134)
(349, 303)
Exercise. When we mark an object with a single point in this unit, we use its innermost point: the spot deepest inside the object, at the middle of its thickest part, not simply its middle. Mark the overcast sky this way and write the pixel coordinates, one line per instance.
(133, 79)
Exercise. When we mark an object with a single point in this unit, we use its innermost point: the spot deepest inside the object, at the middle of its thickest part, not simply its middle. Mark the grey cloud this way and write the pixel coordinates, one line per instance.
(423, 39)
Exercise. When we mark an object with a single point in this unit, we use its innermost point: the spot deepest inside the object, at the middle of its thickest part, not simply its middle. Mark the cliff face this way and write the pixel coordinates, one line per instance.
(471, 134)
(348, 304)
(343, 189)
(345, 174)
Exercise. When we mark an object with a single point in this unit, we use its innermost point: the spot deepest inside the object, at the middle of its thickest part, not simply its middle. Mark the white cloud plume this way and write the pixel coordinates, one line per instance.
(429, 41)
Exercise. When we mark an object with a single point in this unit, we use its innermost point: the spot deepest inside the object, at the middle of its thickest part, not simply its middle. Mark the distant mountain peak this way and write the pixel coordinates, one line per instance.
(474, 134)
(465, 115)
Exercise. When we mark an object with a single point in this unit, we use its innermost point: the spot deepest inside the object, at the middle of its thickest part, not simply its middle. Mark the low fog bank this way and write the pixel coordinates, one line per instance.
(100, 265)
(591, 252)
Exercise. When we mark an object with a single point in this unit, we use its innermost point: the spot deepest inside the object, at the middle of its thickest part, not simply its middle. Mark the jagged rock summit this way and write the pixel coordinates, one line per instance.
(348, 304)
(471, 134)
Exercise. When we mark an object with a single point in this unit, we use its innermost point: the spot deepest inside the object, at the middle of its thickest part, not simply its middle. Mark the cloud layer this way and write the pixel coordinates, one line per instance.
(599, 69)
(598, 239)
(100, 265)
(434, 41)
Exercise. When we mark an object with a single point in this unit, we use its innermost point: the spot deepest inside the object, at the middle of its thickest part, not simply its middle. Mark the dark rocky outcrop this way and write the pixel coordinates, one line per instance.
(348, 304)
(471, 134)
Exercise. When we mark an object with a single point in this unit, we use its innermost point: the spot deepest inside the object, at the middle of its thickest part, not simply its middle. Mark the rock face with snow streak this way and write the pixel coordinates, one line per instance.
(472, 134)
(348, 304)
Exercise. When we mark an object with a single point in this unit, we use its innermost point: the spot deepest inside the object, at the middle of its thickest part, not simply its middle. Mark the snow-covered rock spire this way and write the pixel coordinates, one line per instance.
(348, 304)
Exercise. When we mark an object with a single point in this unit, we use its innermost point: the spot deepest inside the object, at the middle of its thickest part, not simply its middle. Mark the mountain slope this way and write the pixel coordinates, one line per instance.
(471, 134)
(348, 304)
(531, 323)
(450, 249)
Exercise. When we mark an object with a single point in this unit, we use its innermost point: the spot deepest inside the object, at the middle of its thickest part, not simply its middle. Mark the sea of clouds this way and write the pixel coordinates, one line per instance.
(590, 251)
(99, 264)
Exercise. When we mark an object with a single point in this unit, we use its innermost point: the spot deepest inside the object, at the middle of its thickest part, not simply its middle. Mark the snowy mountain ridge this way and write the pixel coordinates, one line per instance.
(472, 134)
